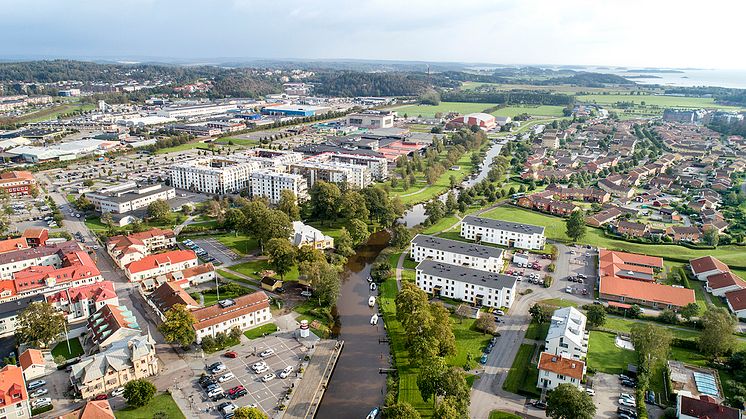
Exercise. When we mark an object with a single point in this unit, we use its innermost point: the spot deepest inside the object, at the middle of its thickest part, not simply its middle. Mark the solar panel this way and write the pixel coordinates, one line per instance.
(706, 384)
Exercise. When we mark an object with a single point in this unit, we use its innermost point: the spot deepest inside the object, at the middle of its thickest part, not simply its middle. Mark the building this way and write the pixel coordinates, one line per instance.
(110, 324)
(125, 360)
(213, 175)
(719, 284)
(160, 264)
(704, 408)
(127, 249)
(567, 335)
(485, 258)
(93, 409)
(32, 364)
(484, 121)
(36, 236)
(196, 111)
(9, 313)
(11, 245)
(628, 278)
(129, 197)
(357, 176)
(555, 370)
(707, 265)
(737, 302)
(167, 295)
(267, 183)
(305, 235)
(504, 233)
(470, 285)
(550, 139)
(378, 166)
(371, 119)
(79, 303)
(14, 398)
(244, 312)
(295, 110)
(17, 183)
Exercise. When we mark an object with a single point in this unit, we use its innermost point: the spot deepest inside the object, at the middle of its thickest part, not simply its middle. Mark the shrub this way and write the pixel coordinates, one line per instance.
(551, 267)
(548, 281)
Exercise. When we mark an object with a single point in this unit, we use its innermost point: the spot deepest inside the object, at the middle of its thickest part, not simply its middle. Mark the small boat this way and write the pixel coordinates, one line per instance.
(370, 279)
(371, 301)
(373, 413)
(374, 319)
(373, 286)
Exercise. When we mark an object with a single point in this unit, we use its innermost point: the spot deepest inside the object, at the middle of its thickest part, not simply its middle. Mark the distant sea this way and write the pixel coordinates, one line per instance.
(735, 79)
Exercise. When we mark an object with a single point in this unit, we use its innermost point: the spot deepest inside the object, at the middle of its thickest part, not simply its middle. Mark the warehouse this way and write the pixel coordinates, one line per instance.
(295, 110)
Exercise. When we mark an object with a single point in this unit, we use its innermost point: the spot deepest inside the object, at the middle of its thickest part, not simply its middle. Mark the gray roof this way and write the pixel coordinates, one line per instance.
(464, 274)
(129, 194)
(37, 252)
(503, 225)
(118, 357)
(11, 308)
(455, 246)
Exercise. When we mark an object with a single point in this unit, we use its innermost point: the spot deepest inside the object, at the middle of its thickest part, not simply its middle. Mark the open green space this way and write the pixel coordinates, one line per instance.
(429, 111)
(95, 225)
(233, 277)
(308, 310)
(537, 331)
(605, 356)
(535, 110)
(52, 112)
(254, 268)
(499, 414)
(469, 340)
(76, 349)
(238, 243)
(211, 296)
(261, 331)
(559, 88)
(161, 403)
(523, 375)
(237, 141)
(181, 147)
(656, 100)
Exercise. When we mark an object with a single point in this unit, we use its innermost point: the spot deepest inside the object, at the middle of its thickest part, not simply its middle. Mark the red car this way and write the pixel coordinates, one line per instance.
(231, 354)
(235, 390)
(101, 397)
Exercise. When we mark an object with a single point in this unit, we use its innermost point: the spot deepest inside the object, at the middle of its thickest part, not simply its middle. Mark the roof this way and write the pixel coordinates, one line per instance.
(35, 232)
(154, 261)
(197, 270)
(216, 314)
(96, 409)
(30, 357)
(117, 357)
(706, 264)
(568, 323)
(11, 308)
(465, 274)
(503, 225)
(37, 252)
(108, 320)
(706, 409)
(455, 246)
(737, 299)
(99, 291)
(646, 291)
(16, 175)
(10, 245)
(12, 386)
(612, 256)
(557, 364)
(170, 294)
(724, 279)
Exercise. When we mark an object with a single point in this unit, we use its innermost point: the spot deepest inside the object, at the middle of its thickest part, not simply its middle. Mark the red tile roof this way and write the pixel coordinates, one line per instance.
(99, 291)
(646, 291)
(97, 409)
(563, 366)
(705, 409)
(630, 258)
(12, 387)
(707, 263)
(737, 299)
(215, 314)
(724, 279)
(153, 261)
(10, 245)
(34, 232)
(30, 357)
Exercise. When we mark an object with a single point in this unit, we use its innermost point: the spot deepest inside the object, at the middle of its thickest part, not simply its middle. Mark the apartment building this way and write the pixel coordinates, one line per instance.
(109, 324)
(17, 183)
(357, 176)
(378, 166)
(556, 369)
(269, 184)
(129, 197)
(213, 175)
(14, 398)
(485, 258)
(127, 249)
(243, 312)
(470, 285)
(504, 233)
(79, 303)
(160, 264)
(567, 335)
(9, 313)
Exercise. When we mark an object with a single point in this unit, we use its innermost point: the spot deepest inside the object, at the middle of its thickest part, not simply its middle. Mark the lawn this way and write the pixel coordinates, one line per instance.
(52, 113)
(605, 356)
(537, 111)
(499, 414)
(468, 341)
(523, 375)
(656, 100)
(180, 147)
(238, 243)
(253, 268)
(260, 331)
(160, 403)
(237, 141)
(94, 223)
(537, 331)
(228, 275)
(211, 296)
(429, 111)
(76, 349)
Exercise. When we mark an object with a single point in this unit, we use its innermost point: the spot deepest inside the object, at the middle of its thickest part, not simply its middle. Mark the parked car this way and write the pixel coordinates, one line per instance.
(117, 392)
(42, 401)
(219, 368)
(38, 393)
(214, 365)
(540, 405)
(483, 359)
(267, 352)
(225, 377)
(269, 377)
(626, 403)
(103, 396)
(231, 354)
(286, 372)
(590, 391)
(305, 294)
(36, 384)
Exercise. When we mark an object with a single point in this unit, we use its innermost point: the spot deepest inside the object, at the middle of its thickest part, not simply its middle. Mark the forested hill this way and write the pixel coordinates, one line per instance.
(353, 83)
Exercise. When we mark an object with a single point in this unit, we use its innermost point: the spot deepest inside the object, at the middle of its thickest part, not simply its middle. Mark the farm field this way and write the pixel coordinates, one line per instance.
(655, 100)
(429, 111)
(543, 110)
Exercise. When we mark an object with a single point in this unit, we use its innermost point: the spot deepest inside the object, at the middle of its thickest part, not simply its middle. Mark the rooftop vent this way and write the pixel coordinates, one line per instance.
(226, 303)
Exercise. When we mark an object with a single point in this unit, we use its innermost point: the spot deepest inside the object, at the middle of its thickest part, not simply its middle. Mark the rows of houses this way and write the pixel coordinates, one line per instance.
(721, 282)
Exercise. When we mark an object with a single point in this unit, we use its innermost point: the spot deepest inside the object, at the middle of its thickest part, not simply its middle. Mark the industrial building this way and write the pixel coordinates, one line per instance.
(195, 111)
(295, 110)
(372, 119)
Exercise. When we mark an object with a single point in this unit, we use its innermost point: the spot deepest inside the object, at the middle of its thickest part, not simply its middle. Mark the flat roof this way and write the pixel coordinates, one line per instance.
(455, 246)
(503, 225)
(464, 274)
(130, 194)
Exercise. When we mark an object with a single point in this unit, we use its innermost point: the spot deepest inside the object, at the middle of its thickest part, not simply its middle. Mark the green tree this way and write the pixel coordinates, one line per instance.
(596, 315)
(401, 410)
(354, 206)
(689, 311)
(575, 226)
(344, 244)
(107, 219)
(486, 323)
(400, 236)
(234, 219)
(289, 204)
(83, 203)
(539, 313)
(711, 236)
(159, 209)
(324, 279)
(717, 337)
(247, 412)
(39, 324)
(307, 253)
(358, 231)
(281, 255)
(435, 210)
(652, 344)
(447, 410)
(178, 326)
(566, 401)
(139, 392)
(324, 201)
(451, 203)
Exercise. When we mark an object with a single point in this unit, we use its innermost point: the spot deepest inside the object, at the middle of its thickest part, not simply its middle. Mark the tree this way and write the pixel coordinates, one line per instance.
(83, 203)
(400, 236)
(324, 279)
(451, 203)
(566, 401)
(354, 206)
(275, 225)
(652, 344)
(358, 231)
(539, 313)
(718, 326)
(324, 201)
(247, 412)
(575, 226)
(178, 326)
(401, 410)
(689, 311)
(139, 392)
(107, 219)
(462, 311)
(596, 315)
(39, 324)
(711, 236)
(234, 219)
(344, 244)
(307, 253)
(289, 204)
(668, 316)
(486, 323)
(281, 255)
(159, 209)
(435, 210)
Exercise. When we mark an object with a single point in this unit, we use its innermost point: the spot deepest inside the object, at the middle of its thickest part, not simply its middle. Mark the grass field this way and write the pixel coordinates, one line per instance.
(499, 414)
(260, 331)
(605, 356)
(238, 243)
(52, 113)
(429, 111)
(562, 88)
(655, 100)
(160, 403)
(211, 296)
(538, 111)
(523, 376)
(468, 341)
(259, 265)
(537, 331)
(76, 349)
(233, 277)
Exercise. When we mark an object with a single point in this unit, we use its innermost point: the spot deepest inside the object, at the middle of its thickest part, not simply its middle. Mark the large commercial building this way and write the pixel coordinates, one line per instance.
(269, 184)
(129, 197)
(295, 110)
(504, 233)
(372, 119)
(470, 285)
(213, 175)
(183, 112)
(567, 335)
(484, 121)
(17, 182)
(485, 258)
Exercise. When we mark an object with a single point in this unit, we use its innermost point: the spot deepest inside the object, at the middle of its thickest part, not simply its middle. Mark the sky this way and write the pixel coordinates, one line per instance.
(639, 33)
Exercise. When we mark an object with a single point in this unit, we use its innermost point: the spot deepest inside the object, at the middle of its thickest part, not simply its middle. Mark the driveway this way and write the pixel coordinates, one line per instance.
(607, 388)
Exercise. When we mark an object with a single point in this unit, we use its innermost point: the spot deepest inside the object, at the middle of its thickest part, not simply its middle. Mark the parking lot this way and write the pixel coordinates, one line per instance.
(217, 250)
(528, 267)
(582, 270)
(265, 395)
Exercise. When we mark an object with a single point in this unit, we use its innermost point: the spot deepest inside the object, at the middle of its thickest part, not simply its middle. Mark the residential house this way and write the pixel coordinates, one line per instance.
(684, 234)
(632, 229)
(36, 236)
(704, 408)
(556, 369)
(244, 312)
(305, 235)
(567, 335)
(721, 283)
(79, 303)
(603, 217)
(14, 398)
(32, 364)
(167, 295)
(127, 249)
(93, 409)
(160, 264)
(737, 302)
(705, 266)
(110, 324)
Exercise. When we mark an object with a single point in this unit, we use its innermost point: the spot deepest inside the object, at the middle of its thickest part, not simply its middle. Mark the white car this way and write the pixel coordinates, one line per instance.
(269, 377)
(43, 400)
(266, 353)
(590, 391)
(38, 393)
(216, 392)
(286, 372)
(117, 392)
(261, 369)
(225, 377)
(627, 403)
(36, 384)
(217, 369)
(258, 365)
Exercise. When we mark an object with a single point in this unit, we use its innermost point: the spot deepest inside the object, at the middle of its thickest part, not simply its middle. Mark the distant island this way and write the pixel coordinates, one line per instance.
(643, 76)
(653, 70)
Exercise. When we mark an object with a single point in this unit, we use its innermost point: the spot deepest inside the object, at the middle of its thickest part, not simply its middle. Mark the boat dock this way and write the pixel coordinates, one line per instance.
(307, 395)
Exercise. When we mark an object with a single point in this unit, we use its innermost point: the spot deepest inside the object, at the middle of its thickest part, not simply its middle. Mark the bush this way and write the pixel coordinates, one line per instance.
(41, 410)
(551, 267)
(548, 281)
(685, 344)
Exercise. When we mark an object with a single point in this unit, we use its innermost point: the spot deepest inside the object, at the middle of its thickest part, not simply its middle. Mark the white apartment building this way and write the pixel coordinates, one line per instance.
(378, 166)
(243, 312)
(470, 285)
(269, 184)
(484, 258)
(371, 119)
(504, 233)
(355, 175)
(555, 370)
(160, 264)
(567, 335)
(213, 175)
(129, 197)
